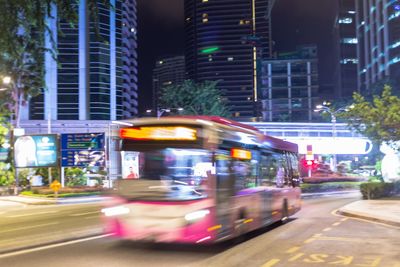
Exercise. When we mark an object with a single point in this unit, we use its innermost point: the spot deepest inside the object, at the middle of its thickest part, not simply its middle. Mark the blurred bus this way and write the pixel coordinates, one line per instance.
(199, 179)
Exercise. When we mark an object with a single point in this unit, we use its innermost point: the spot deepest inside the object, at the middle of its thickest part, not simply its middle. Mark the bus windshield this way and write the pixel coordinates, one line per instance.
(165, 174)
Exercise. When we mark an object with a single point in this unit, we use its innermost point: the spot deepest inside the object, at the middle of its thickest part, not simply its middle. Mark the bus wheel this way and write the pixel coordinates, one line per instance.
(285, 212)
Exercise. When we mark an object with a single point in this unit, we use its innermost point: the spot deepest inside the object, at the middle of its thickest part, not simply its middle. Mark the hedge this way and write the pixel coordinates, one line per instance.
(327, 187)
(376, 190)
(65, 190)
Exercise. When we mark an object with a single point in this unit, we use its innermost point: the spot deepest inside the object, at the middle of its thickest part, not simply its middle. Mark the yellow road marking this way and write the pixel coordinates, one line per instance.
(336, 223)
(327, 229)
(271, 263)
(297, 256)
(292, 249)
(309, 240)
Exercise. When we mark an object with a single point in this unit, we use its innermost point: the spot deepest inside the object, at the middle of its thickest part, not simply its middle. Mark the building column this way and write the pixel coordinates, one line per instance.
(84, 88)
(50, 95)
(113, 64)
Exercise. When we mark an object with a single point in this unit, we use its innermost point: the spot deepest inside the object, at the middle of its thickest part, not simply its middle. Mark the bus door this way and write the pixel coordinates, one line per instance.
(269, 166)
(225, 190)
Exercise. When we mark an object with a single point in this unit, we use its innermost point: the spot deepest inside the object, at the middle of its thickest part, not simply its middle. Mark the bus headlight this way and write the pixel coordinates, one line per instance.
(119, 210)
(196, 215)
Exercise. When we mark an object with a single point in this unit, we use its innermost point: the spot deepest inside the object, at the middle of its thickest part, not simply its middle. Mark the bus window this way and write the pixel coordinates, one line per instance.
(246, 171)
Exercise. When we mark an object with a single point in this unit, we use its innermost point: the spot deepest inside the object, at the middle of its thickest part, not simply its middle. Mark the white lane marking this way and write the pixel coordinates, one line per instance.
(28, 227)
(32, 214)
(85, 213)
(25, 251)
(92, 217)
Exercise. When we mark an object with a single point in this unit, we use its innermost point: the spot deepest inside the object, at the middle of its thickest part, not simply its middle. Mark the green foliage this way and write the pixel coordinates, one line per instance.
(330, 186)
(75, 177)
(378, 120)
(6, 174)
(375, 190)
(44, 172)
(23, 28)
(195, 98)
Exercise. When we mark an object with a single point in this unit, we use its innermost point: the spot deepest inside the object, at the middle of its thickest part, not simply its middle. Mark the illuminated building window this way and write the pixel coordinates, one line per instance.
(188, 19)
(204, 1)
(351, 12)
(349, 41)
(205, 17)
(230, 59)
(349, 61)
(395, 15)
(345, 20)
(396, 44)
(241, 22)
(395, 60)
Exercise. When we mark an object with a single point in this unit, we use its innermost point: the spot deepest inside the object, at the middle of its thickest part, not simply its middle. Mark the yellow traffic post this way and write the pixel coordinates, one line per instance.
(55, 185)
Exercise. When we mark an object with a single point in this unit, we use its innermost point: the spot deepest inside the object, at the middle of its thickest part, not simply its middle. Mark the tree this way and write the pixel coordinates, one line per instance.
(379, 120)
(23, 27)
(195, 98)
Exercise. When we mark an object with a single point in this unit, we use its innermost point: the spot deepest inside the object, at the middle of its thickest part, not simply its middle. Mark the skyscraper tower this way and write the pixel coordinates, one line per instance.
(378, 35)
(167, 72)
(95, 77)
(346, 49)
(225, 42)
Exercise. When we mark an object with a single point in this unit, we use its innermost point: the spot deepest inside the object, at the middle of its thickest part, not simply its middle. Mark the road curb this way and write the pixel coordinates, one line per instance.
(368, 218)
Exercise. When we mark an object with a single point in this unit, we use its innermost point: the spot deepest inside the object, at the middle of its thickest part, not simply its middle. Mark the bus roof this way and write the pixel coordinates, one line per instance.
(269, 141)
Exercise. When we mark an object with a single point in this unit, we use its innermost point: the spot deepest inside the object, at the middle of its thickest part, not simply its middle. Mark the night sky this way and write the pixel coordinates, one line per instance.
(294, 22)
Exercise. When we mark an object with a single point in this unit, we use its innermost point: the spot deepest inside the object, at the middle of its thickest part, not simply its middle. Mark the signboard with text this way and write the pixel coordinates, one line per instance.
(82, 149)
(36, 151)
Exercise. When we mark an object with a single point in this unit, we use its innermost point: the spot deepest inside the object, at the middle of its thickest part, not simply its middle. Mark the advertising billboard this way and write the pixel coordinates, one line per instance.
(36, 151)
(82, 150)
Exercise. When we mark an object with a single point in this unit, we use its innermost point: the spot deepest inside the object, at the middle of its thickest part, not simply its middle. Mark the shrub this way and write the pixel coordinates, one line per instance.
(375, 190)
(327, 187)
(318, 180)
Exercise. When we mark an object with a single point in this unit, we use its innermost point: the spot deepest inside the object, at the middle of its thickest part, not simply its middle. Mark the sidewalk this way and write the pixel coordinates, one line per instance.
(383, 211)
(44, 201)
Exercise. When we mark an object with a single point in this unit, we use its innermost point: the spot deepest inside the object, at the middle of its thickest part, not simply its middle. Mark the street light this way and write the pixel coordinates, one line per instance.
(160, 111)
(6, 81)
(325, 107)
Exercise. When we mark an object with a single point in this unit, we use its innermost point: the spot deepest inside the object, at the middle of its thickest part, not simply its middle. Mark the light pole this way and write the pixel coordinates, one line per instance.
(325, 107)
(160, 111)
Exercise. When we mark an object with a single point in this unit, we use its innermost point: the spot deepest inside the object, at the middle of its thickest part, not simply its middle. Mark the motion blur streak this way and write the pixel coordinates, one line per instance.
(25, 251)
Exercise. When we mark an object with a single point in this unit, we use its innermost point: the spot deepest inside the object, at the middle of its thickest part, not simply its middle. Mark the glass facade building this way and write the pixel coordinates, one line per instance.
(225, 42)
(290, 87)
(167, 72)
(95, 77)
(346, 49)
(378, 35)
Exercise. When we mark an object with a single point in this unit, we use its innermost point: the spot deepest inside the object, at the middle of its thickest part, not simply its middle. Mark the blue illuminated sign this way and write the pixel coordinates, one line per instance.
(82, 150)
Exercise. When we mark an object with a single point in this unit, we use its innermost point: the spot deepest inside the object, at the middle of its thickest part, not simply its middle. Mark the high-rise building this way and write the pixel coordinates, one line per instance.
(346, 49)
(95, 77)
(168, 71)
(290, 86)
(225, 42)
(378, 35)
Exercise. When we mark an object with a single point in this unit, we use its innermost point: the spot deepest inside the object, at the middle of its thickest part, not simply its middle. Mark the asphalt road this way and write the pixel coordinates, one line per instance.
(314, 237)
(28, 225)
